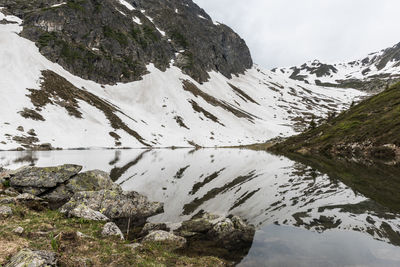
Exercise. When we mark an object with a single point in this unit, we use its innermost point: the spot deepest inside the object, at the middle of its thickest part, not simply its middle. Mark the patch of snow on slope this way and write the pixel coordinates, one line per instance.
(127, 5)
(60, 4)
(157, 107)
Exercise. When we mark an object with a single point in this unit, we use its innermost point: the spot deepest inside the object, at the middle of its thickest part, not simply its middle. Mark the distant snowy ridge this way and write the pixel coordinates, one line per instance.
(42, 103)
(372, 73)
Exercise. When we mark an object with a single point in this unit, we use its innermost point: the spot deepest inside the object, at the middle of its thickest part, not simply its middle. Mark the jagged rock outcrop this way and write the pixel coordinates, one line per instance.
(112, 41)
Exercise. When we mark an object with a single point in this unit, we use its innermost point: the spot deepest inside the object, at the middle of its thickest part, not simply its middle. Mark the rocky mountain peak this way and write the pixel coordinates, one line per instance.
(113, 41)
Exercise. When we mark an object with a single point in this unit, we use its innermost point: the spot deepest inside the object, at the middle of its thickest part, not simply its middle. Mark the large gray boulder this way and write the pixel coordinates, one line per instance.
(30, 258)
(86, 181)
(115, 204)
(166, 238)
(36, 181)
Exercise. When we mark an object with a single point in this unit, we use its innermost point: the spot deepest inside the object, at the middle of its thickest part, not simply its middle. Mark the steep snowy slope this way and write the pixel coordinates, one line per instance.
(373, 73)
(42, 103)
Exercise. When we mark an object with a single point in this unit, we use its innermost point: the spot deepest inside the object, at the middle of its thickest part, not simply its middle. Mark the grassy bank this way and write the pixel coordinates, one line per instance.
(50, 230)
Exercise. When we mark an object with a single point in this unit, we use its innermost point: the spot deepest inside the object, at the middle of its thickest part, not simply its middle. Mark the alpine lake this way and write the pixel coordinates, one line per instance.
(307, 211)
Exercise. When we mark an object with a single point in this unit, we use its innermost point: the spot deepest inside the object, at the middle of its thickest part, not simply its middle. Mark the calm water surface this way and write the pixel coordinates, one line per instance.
(304, 217)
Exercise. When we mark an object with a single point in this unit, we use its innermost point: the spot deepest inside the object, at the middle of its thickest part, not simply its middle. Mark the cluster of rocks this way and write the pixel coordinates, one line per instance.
(93, 196)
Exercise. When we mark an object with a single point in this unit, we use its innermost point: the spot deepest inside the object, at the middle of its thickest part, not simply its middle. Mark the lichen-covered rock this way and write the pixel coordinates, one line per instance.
(29, 258)
(115, 204)
(87, 181)
(148, 227)
(164, 237)
(5, 212)
(111, 229)
(92, 181)
(35, 180)
(82, 211)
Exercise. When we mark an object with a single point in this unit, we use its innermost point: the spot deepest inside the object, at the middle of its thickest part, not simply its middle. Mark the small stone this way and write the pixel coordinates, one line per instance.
(111, 229)
(5, 212)
(134, 246)
(167, 238)
(19, 230)
(82, 235)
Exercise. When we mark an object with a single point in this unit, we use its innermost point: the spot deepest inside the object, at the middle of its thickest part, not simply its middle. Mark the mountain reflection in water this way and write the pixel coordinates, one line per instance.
(289, 201)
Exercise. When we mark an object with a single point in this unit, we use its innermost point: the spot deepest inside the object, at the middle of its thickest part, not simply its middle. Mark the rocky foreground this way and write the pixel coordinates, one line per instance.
(60, 216)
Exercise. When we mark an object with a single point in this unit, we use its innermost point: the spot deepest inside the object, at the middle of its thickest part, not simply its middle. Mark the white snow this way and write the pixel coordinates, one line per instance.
(126, 4)
(60, 4)
(356, 69)
(137, 20)
(152, 105)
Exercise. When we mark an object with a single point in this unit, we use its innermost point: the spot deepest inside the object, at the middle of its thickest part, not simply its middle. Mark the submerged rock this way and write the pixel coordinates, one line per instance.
(232, 233)
(30, 258)
(164, 237)
(115, 204)
(5, 212)
(36, 181)
(111, 229)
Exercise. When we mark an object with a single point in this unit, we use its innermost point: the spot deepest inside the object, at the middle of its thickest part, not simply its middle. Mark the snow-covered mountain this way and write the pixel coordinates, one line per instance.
(46, 102)
(372, 73)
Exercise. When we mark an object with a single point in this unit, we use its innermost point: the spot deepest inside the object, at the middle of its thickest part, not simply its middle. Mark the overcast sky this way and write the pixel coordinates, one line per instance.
(290, 32)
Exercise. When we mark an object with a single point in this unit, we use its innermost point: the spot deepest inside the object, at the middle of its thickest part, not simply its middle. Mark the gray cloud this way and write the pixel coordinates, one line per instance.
(289, 32)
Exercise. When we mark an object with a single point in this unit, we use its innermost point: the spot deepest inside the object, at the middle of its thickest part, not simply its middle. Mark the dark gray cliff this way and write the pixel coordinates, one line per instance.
(107, 42)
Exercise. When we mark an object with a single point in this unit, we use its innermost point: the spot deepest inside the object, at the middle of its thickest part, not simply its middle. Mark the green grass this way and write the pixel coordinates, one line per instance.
(95, 250)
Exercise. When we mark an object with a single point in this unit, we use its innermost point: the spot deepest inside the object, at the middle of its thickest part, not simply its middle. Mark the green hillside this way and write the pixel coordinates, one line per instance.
(370, 129)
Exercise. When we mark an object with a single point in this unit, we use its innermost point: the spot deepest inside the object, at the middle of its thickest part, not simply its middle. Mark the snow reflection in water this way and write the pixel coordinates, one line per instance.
(264, 189)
